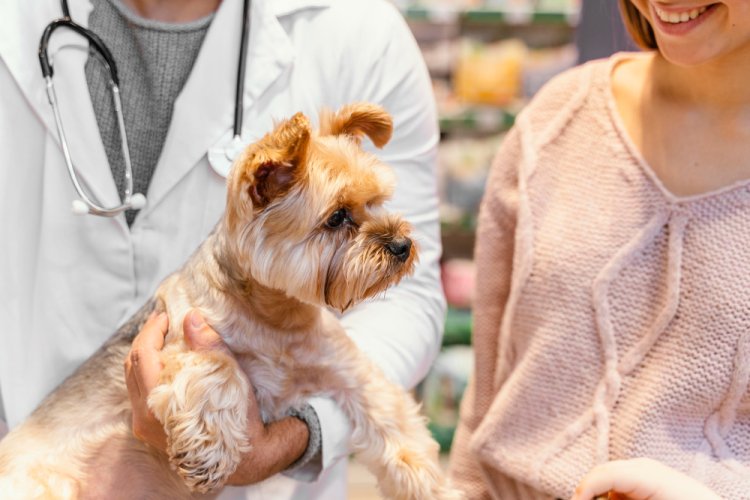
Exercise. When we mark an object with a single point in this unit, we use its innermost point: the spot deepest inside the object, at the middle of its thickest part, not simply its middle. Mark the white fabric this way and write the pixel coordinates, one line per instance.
(67, 282)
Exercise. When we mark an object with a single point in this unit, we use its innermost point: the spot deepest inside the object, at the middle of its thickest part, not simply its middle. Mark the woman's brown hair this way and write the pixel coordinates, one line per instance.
(638, 26)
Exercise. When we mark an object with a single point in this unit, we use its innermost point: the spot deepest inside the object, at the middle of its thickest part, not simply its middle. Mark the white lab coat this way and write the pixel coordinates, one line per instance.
(67, 281)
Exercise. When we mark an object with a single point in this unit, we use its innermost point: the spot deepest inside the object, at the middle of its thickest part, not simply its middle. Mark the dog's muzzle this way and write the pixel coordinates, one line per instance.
(399, 248)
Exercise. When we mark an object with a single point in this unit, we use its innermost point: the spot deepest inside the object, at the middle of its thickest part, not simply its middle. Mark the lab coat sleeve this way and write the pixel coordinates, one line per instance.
(401, 331)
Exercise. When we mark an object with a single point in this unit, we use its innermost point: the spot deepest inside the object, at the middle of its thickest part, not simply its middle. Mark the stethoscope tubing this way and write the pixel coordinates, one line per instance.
(86, 204)
(241, 64)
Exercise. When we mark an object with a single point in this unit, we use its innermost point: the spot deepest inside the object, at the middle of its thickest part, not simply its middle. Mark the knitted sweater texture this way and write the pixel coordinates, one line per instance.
(612, 318)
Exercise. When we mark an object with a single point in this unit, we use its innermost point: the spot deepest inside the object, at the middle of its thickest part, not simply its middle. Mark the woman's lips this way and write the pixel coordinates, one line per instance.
(678, 21)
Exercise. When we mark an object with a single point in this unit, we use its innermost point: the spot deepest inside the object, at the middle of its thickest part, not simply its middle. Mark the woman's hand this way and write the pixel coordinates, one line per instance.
(640, 479)
(275, 446)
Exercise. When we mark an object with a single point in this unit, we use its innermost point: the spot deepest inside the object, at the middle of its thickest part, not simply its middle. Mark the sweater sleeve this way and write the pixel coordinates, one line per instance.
(493, 257)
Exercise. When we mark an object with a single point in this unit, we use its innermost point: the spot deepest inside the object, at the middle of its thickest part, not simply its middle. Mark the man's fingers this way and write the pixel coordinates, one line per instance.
(199, 335)
(143, 364)
(153, 332)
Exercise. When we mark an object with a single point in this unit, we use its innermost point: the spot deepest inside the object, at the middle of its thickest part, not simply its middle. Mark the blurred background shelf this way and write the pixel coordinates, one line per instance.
(458, 324)
(440, 14)
(478, 119)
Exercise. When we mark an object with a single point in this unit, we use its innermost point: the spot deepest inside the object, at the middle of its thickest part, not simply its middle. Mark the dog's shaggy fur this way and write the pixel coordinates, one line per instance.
(304, 228)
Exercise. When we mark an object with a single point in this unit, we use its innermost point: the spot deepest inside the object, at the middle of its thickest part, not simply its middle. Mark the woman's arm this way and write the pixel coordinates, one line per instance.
(494, 262)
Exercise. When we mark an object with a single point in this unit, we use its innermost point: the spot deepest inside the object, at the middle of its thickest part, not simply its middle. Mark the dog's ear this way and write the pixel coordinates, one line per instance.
(276, 162)
(356, 120)
(268, 168)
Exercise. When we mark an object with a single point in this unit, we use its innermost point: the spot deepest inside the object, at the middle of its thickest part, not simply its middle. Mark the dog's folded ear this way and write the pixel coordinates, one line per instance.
(268, 168)
(276, 163)
(356, 120)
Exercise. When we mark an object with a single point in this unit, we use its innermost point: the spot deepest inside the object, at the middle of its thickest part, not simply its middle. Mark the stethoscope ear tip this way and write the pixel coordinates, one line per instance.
(79, 207)
(137, 201)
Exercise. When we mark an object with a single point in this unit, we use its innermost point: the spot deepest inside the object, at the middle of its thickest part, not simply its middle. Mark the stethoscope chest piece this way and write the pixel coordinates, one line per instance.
(221, 157)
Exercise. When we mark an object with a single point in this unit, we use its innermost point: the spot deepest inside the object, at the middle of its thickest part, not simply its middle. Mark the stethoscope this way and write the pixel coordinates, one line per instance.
(86, 204)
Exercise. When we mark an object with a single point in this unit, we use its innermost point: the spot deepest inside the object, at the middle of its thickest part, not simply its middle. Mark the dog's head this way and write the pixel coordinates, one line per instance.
(305, 210)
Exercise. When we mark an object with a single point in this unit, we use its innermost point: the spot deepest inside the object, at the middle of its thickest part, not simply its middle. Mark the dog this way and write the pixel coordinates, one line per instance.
(304, 230)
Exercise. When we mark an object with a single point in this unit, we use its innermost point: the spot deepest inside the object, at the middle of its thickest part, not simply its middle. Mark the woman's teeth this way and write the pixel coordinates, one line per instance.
(679, 17)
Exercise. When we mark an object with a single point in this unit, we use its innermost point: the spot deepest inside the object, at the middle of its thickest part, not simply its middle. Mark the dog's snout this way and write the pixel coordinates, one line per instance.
(400, 248)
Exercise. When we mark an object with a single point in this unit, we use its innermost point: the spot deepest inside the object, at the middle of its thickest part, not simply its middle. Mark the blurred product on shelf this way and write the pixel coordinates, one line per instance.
(442, 390)
(489, 73)
(463, 164)
(486, 59)
(458, 282)
(500, 73)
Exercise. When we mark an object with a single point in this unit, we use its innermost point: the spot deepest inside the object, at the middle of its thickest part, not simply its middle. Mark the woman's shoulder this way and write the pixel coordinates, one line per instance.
(579, 92)
(567, 91)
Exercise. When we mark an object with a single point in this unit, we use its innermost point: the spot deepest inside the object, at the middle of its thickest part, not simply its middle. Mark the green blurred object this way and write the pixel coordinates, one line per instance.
(441, 391)
(443, 435)
(458, 325)
(487, 119)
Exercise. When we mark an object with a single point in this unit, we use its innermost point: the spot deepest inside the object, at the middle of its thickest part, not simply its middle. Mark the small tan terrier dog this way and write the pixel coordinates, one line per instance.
(304, 228)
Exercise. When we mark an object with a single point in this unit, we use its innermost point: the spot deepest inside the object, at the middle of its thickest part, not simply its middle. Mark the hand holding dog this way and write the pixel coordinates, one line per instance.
(640, 479)
(275, 445)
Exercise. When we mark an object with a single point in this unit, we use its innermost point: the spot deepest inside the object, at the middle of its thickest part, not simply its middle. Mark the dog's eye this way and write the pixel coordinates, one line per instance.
(337, 218)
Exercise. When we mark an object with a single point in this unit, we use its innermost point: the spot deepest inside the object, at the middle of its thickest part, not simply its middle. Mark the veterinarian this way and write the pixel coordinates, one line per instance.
(612, 322)
(68, 280)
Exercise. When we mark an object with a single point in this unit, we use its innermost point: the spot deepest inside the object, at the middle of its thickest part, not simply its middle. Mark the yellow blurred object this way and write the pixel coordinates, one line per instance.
(490, 74)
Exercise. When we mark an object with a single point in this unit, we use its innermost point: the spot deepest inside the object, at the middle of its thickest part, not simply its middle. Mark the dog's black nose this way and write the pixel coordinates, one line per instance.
(400, 248)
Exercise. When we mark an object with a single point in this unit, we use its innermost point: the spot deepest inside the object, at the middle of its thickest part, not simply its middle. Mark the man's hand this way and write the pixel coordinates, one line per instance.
(276, 445)
(640, 479)
(142, 369)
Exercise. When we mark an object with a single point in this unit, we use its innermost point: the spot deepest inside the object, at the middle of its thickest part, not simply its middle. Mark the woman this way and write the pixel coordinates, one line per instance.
(612, 319)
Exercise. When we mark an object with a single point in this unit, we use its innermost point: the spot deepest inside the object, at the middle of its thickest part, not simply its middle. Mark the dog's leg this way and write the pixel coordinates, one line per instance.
(389, 434)
(39, 481)
(202, 403)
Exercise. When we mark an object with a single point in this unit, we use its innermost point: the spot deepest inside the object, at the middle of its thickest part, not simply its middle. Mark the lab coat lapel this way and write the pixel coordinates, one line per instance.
(204, 111)
(68, 53)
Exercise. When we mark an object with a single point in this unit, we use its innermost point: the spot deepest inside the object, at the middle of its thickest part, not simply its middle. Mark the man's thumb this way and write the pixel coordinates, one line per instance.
(198, 335)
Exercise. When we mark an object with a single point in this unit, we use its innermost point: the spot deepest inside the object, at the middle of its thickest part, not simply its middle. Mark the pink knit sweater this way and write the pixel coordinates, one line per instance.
(612, 317)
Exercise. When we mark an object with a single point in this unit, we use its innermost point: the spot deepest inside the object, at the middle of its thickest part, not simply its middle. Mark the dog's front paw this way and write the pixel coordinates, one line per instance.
(414, 475)
(203, 408)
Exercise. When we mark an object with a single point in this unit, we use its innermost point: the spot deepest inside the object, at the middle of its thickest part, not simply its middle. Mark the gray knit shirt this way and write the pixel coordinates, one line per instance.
(154, 60)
